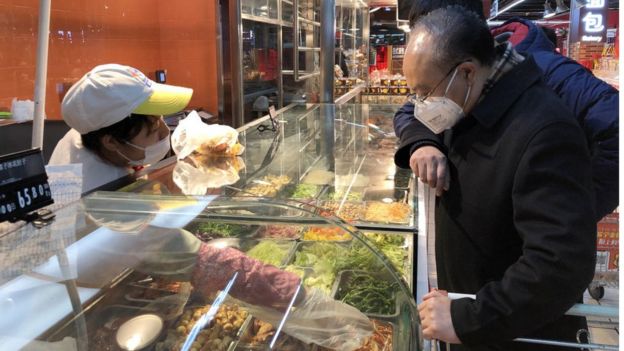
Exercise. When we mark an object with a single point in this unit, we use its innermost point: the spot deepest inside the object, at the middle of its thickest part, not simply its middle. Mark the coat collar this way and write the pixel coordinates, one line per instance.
(505, 92)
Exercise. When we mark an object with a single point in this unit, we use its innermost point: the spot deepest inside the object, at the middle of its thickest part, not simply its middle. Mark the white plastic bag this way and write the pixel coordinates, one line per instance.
(206, 173)
(193, 135)
(320, 320)
(22, 110)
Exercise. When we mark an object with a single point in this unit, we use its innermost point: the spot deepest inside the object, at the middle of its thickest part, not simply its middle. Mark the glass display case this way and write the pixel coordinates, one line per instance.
(336, 158)
(270, 57)
(127, 271)
(352, 49)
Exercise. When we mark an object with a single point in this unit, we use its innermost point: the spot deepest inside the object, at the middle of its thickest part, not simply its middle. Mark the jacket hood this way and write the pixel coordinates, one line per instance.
(526, 36)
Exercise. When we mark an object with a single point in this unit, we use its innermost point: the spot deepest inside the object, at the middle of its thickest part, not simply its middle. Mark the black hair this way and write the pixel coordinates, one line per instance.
(550, 34)
(122, 131)
(421, 8)
(457, 35)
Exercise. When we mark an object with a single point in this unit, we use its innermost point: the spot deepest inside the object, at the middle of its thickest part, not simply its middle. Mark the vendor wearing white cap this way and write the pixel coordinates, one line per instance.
(115, 113)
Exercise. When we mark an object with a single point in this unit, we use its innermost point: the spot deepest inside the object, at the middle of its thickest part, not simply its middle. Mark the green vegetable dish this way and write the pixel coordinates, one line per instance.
(270, 252)
(213, 230)
(369, 294)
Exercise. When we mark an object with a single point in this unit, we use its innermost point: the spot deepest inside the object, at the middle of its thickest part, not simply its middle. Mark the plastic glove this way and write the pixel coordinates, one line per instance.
(319, 319)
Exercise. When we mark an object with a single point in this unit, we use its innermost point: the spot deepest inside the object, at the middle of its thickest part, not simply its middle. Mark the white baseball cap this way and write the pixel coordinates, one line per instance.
(109, 93)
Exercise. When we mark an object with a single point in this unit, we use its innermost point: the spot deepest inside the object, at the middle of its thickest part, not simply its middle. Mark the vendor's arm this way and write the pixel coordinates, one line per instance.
(554, 216)
(257, 283)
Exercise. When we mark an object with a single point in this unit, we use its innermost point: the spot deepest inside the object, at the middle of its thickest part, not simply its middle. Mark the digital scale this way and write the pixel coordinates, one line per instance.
(24, 187)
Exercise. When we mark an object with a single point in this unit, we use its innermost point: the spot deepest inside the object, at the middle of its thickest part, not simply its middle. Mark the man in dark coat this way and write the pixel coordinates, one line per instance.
(517, 226)
(593, 103)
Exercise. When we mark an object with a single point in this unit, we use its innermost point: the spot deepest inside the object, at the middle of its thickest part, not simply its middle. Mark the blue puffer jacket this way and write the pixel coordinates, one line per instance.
(594, 103)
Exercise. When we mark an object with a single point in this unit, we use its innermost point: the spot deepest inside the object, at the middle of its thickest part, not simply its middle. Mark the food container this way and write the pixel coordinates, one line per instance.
(139, 332)
(208, 229)
(385, 195)
(279, 231)
(248, 245)
(391, 213)
(257, 335)
(323, 233)
(268, 186)
(306, 191)
(220, 334)
(384, 82)
(348, 211)
(104, 325)
(369, 304)
(314, 255)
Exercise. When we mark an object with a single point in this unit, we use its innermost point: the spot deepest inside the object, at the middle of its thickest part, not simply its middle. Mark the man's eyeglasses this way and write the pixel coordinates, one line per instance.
(414, 98)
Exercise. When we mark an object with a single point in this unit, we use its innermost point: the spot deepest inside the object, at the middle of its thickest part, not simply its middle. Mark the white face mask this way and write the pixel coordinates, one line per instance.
(439, 113)
(153, 153)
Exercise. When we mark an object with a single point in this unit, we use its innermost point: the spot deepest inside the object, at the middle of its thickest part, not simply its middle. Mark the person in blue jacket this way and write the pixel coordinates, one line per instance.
(593, 102)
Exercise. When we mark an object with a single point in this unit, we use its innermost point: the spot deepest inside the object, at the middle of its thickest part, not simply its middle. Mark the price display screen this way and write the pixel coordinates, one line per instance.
(23, 184)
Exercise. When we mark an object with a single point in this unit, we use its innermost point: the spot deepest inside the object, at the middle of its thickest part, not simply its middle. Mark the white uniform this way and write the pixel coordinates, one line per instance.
(95, 171)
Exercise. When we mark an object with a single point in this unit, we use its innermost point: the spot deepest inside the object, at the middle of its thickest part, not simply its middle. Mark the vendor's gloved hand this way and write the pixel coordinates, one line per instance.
(319, 319)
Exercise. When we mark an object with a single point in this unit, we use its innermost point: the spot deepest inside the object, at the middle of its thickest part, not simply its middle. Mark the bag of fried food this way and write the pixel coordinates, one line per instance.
(192, 136)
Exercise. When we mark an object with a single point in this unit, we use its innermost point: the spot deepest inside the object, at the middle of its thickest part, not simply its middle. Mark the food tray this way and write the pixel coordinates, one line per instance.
(342, 239)
(267, 186)
(304, 191)
(383, 207)
(103, 325)
(348, 211)
(227, 230)
(174, 335)
(296, 232)
(385, 195)
(157, 293)
(245, 245)
(309, 272)
(344, 279)
(395, 339)
(352, 195)
(244, 342)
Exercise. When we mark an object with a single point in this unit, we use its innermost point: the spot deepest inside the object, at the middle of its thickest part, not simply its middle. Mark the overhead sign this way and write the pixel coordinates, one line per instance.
(588, 22)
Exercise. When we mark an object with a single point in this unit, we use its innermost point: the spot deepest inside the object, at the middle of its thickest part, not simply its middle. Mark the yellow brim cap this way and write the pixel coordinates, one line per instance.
(165, 100)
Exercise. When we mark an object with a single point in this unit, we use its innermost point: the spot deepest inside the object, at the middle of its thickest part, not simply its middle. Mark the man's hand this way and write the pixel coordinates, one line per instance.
(435, 318)
(429, 164)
